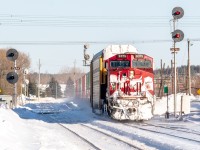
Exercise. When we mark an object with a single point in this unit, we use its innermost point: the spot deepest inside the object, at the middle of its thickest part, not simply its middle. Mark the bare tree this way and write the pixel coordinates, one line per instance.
(6, 66)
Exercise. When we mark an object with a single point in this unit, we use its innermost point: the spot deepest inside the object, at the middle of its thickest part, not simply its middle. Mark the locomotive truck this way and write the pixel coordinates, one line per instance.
(121, 83)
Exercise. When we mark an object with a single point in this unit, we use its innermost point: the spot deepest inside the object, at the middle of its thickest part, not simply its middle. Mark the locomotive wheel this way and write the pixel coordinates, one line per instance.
(109, 111)
(103, 107)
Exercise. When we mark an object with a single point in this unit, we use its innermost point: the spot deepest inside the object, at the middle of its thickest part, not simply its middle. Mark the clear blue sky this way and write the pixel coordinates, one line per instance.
(81, 21)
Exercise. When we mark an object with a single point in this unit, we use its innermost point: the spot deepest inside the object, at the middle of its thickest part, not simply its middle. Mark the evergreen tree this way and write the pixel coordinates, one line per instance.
(69, 90)
(32, 88)
(54, 89)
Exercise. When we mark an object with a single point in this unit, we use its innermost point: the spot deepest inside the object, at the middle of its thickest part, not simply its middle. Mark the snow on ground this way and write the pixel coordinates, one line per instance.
(33, 134)
(34, 126)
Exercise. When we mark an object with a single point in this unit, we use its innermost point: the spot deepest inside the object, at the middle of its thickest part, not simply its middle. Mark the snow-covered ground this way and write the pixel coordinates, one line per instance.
(61, 124)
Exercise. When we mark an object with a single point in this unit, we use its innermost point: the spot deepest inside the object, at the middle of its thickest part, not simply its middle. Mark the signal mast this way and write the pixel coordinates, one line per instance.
(177, 36)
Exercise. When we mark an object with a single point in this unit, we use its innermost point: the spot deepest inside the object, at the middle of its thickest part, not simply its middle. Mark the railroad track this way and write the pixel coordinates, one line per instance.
(82, 138)
(114, 137)
(75, 133)
(190, 137)
(177, 133)
(105, 128)
(71, 129)
(124, 136)
(185, 130)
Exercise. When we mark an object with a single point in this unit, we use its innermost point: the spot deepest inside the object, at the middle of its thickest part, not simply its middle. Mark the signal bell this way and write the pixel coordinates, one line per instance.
(177, 12)
(177, 35)
(12, 54)
(12, 77)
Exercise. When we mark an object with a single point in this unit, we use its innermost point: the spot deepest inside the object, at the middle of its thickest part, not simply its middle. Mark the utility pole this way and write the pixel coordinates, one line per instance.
(56, 90)
(39, 81)
(15, 86)
(172, 79)
(161, 80)
(26, 82)
(74, 77)
(189, 73)
(24, 78)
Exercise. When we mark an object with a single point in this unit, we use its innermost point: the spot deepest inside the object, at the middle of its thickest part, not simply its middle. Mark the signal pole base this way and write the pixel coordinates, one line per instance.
(167, 115)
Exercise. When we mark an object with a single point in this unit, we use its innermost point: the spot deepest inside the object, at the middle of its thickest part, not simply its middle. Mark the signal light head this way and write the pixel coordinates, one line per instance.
(12, 77)
(177, 35)
(177, 12)
(12, 54)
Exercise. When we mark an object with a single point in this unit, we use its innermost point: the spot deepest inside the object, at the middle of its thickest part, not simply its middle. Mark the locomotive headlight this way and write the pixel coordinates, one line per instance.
(131, 75)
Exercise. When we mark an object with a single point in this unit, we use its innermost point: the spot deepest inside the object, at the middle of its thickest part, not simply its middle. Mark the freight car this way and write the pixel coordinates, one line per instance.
(121, 83)
(82, 86)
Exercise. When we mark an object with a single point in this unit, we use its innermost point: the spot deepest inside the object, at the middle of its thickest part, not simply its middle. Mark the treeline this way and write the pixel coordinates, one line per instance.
(182, 70)
(52, 82)
(60, 77)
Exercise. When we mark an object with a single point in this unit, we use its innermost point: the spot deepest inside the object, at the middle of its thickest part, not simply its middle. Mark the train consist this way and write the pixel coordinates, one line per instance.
(121, 83)
(82, 87)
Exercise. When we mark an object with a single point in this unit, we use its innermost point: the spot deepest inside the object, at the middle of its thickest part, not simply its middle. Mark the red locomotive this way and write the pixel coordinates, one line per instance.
(121, 83)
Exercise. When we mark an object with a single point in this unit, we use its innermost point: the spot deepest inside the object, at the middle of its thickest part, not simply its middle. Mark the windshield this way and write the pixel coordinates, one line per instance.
(141, 64)
(116, 64)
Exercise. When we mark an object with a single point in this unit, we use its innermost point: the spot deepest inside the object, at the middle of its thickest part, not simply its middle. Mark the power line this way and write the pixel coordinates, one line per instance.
(109, 17)
(93, 21)
(76, 42)
(83, 42)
